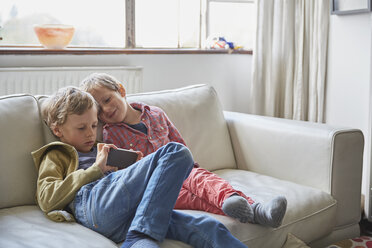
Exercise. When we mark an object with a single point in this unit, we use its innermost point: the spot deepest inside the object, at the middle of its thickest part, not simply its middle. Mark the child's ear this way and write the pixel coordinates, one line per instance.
(122, 90)
(57, 131)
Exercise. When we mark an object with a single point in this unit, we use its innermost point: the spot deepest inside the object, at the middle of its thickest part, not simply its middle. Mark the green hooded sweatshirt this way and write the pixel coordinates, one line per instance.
(58, 178)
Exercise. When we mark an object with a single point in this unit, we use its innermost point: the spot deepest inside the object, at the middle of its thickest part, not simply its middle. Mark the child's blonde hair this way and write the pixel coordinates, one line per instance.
(95, 80)
(66, 101)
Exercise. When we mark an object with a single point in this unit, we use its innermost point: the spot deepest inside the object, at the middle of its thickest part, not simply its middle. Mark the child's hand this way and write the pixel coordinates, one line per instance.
(102, 154)
(140, 155)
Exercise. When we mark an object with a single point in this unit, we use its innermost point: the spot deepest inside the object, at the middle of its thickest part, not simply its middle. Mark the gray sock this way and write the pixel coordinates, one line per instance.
(238, 207)
(271, 213)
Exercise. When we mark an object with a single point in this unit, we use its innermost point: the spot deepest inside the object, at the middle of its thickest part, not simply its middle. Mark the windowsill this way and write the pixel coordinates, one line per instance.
(87, 51)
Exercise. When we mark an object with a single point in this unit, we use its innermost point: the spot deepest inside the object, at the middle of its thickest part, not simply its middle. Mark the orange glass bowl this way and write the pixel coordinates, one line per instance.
(54, 36)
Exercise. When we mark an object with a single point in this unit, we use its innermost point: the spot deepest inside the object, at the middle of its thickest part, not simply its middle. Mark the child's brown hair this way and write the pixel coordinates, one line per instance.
(66, 101)
(95, 80)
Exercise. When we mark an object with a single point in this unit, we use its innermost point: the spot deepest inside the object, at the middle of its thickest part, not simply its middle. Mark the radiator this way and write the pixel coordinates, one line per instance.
(46, 80)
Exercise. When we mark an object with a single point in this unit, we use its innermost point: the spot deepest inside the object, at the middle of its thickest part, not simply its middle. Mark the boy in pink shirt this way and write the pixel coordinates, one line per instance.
(147, 128)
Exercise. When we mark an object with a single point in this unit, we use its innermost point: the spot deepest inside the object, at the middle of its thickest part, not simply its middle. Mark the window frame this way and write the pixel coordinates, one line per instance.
(130, 39)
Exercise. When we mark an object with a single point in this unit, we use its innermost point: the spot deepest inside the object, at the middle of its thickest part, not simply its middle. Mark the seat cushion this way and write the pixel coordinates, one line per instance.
(310, 212)
(27, 226)
(310, 215)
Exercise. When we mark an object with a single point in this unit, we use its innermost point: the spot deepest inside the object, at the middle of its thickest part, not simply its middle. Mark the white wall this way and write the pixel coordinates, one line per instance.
(348, 90)
(229, 74)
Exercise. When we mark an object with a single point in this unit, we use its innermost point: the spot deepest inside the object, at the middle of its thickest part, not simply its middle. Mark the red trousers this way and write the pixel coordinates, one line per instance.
(204, 190)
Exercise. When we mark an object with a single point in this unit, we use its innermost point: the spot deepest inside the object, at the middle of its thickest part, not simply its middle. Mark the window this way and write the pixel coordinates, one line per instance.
(97, 23)
(174, 24)
(233, 20)
(131, 23)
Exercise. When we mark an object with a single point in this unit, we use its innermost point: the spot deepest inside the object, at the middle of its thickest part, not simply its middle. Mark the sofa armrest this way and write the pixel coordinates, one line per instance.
(313, 154)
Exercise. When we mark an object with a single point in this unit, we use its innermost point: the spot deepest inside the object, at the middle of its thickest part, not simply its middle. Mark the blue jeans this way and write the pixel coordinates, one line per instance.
(141, 198)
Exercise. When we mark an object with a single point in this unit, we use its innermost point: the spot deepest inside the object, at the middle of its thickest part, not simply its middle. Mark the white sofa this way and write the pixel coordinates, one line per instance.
(316, 166)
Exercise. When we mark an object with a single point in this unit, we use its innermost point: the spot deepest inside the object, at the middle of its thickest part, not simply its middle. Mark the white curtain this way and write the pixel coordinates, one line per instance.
(289, 59)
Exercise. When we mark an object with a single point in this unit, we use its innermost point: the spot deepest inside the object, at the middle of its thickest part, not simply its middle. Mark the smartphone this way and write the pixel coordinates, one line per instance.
(121, 158)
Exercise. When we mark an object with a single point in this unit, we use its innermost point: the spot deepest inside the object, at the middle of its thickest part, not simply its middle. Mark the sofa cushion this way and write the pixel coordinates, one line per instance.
(294, 242)
(310, 215)
(48, 134)
(21, 133)
(310, 212)
(197, 114)
(27, 226)
(208, 138)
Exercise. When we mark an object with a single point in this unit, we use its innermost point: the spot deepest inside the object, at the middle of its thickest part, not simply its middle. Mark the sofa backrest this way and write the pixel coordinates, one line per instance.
(21, 133)
(48, 135)
(195, 110)
(197, 114)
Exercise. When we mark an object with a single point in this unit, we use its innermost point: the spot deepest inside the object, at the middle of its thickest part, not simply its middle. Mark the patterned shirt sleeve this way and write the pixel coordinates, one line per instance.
(110, 136)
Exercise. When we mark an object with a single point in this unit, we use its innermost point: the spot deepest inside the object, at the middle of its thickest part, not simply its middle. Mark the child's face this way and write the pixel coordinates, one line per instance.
(79, 131)
(113, 105)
